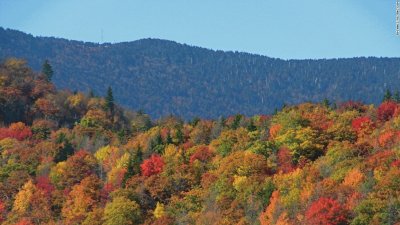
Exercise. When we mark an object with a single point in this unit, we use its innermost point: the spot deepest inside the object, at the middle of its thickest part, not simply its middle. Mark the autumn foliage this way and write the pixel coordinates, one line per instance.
(153, 165)
(67, 159)
(386, 110)
(18, 131)
(326, 211)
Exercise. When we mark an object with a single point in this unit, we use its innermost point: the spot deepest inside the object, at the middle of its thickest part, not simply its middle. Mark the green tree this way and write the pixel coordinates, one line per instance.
(326, 103)
(121, 211)
(396, 97)
(110, 100)
(47, 70)
(179, 135)
(387, 96)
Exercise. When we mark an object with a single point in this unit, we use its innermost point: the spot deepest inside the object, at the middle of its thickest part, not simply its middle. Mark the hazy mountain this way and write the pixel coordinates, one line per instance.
(163, 77)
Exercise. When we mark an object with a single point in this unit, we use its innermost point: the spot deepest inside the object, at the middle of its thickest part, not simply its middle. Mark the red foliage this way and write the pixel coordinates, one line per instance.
(153, 165)
(24, 221)
(44, 184)
(202, 154)
(2, 211)
(326, 211)
(285, 160)
(396, 163)
(386, 110)
(16, 130)
(187, 145)
(360, 123)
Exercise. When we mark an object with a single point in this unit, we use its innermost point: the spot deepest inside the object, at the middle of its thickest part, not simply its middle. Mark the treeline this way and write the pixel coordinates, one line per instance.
(74, 158)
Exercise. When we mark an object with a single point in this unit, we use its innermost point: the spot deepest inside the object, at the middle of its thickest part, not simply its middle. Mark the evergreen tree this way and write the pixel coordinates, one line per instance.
(91, 93)
(47, 70)
(110, 100)
(135, 159)
(251, 126)
(387, 96)
(396, 97)
(326, 103)
(179, 135)
(236, 122)
(169, 139)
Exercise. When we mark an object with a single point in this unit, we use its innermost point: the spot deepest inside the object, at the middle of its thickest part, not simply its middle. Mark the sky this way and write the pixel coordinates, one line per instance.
(287, 29)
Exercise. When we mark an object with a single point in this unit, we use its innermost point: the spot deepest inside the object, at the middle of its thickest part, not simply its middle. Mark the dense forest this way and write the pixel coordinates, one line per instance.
(163, 77)
(79, 158)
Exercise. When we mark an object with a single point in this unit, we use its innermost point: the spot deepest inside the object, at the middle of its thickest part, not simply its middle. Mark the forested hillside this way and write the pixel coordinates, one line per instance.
(163, 77)
(76, 158)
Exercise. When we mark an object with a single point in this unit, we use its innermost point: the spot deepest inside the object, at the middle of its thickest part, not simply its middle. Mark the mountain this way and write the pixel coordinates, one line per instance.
(164, 77)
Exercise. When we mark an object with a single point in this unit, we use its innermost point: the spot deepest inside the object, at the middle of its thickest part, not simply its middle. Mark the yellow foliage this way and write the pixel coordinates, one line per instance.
(23, 197)
(239, 182)
(159, 210)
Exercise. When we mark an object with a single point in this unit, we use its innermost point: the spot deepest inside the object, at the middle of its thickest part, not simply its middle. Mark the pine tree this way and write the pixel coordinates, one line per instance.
(110, 100)
(396, 97)
(251, 126)
(179, 135)
(387, 96)
(326, 103)
(47, 70)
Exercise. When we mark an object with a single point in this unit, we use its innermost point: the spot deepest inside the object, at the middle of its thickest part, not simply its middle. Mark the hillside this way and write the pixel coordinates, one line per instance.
(163, 77)
(72, 158)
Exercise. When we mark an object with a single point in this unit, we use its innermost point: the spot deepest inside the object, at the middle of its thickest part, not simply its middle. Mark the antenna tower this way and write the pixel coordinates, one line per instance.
(397, 17)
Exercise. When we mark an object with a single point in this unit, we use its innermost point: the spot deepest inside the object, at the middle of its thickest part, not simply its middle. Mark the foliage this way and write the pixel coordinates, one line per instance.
(64, 159)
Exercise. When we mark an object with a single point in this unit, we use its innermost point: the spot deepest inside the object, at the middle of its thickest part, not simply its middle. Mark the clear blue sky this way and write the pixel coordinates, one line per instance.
(277, 28)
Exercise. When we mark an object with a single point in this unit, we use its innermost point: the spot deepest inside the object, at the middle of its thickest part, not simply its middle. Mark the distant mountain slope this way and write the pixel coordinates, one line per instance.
(163, 77)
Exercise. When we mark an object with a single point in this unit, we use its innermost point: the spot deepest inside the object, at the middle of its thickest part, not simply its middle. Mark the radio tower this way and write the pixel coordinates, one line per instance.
(397, 17)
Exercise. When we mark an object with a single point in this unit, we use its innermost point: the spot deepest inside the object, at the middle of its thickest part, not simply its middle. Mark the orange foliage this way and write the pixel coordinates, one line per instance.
(202, 154)
(269, 216)
(274, 130)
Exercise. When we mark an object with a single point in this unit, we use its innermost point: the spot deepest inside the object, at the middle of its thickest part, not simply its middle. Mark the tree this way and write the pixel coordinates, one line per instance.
(387, 96)
(153, 165)
(326, 103)
(81, 200)
(110, 100)
(386, 110)
(326, 211)
(396, 97)
(122, 211)
(47, 70)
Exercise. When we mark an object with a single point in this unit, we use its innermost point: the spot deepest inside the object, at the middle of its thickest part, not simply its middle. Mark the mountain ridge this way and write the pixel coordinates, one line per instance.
(165, 77)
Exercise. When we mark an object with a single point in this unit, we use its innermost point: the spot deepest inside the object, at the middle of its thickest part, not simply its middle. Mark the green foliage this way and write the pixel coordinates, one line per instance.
(122, 211)
(47, 70)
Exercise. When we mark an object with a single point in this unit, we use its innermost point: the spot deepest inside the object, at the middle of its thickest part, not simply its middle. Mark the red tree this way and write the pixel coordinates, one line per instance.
(44, 184)
(386, 110)
(153, 165)
(285, 160)
(360, 123)
(326, 211)
(16, 130)
(2, 211)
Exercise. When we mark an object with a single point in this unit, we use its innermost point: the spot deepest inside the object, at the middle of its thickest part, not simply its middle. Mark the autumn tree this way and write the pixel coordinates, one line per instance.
(326, 211)
(153, 165)
(122, 211)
